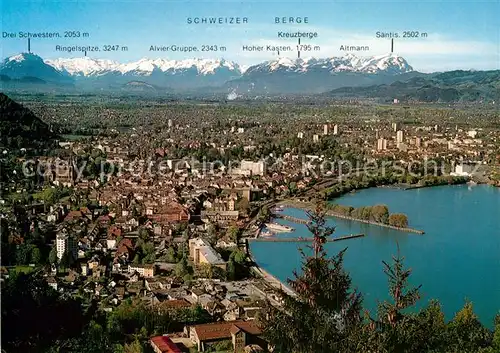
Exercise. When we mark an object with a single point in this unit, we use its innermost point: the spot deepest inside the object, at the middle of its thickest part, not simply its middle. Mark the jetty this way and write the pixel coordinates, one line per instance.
(292, 219)
(302, 239)
(330, 213)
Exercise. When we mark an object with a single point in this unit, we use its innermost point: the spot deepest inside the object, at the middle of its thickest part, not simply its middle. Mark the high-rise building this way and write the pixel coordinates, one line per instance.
(66, 244)
(335, 129)
(300, 135)
(418, 142)
(399, 136)
(381, 144)
(315, 138)
(325, 129)
(169, 123)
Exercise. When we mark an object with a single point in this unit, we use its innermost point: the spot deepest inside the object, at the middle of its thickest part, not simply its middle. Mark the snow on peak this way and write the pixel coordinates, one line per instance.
(351, 63)
(92, 67)
(23, 57)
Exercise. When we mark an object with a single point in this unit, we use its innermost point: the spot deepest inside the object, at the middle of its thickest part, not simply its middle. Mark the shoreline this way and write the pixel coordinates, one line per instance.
(268, 278)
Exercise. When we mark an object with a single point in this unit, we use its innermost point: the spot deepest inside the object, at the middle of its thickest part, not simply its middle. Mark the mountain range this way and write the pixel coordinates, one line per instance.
(194, 74)
(383, 76)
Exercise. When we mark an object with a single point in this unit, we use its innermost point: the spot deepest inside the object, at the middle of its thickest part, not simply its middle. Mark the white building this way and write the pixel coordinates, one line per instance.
(399, 136)
(170, 124)
(335, 129)
(325, 129)
(255, 168)
(300, 135)
(472, 133)
(463, 169)
(66, 243)
(381, 144)
(315, 138)
(396, 127)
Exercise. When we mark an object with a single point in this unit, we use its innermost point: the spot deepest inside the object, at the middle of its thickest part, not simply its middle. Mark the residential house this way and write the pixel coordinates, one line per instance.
(240, 333)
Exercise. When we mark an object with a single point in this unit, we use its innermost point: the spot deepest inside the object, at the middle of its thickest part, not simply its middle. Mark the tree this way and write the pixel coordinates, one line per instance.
(393, 327)
(134, 347)
(233, 233)
(324, 316)
(144, 234)
(264, 215)
(399, 220)
(36, 255)
(243, 205)
(27, 303)
(380, 213)
(182, 268)
(466, 332)
(53, 255)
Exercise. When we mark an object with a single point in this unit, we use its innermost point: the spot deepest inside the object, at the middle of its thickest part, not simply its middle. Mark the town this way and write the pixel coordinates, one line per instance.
(144, 209)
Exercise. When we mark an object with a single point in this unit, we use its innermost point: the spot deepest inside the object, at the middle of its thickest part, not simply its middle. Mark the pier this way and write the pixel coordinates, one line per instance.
(299, 240)
(292, 219)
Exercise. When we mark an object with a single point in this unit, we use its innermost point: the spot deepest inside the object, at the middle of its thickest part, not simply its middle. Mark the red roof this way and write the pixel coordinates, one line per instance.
(165, 344)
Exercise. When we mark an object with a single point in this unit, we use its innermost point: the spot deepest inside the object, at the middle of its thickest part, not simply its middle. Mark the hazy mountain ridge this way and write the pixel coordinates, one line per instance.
(451, 86)
(384, 77)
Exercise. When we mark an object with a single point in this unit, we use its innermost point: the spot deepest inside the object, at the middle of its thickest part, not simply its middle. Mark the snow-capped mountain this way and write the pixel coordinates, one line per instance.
(389, 63)
(311, 75)
(280, 75)
(28, 65)
(144, 67)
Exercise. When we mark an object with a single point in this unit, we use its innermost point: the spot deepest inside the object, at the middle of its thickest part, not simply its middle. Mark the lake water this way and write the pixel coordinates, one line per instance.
(457, 258)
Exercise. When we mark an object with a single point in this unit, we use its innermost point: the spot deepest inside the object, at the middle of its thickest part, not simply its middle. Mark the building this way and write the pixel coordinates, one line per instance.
(202, 253)
(472, 133)
(315, 138)
(418, 142)
(396, 126)
(64, 173)
(163, 344)
(399, 136)
(300, 135)
(241, 130)
(66, 243)
(381, 144)
(146, 271)
(170, 123)
(335, 129)
(325, 129)
(255, 168)
(464, 169)
(239, 333)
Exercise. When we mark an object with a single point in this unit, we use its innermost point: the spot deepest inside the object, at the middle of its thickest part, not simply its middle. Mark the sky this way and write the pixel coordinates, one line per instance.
(460, 34)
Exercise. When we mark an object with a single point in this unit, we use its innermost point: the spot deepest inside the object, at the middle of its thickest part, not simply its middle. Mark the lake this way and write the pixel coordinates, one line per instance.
(457, 258)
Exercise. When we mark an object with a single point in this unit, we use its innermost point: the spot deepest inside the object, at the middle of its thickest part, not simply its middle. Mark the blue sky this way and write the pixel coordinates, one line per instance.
(461, 34)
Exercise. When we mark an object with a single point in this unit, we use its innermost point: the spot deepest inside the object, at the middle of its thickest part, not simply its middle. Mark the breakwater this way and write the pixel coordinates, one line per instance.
(308, 207)
(302, 239)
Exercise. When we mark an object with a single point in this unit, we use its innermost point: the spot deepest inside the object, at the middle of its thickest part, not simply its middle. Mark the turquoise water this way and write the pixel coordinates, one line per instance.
(458, 258)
